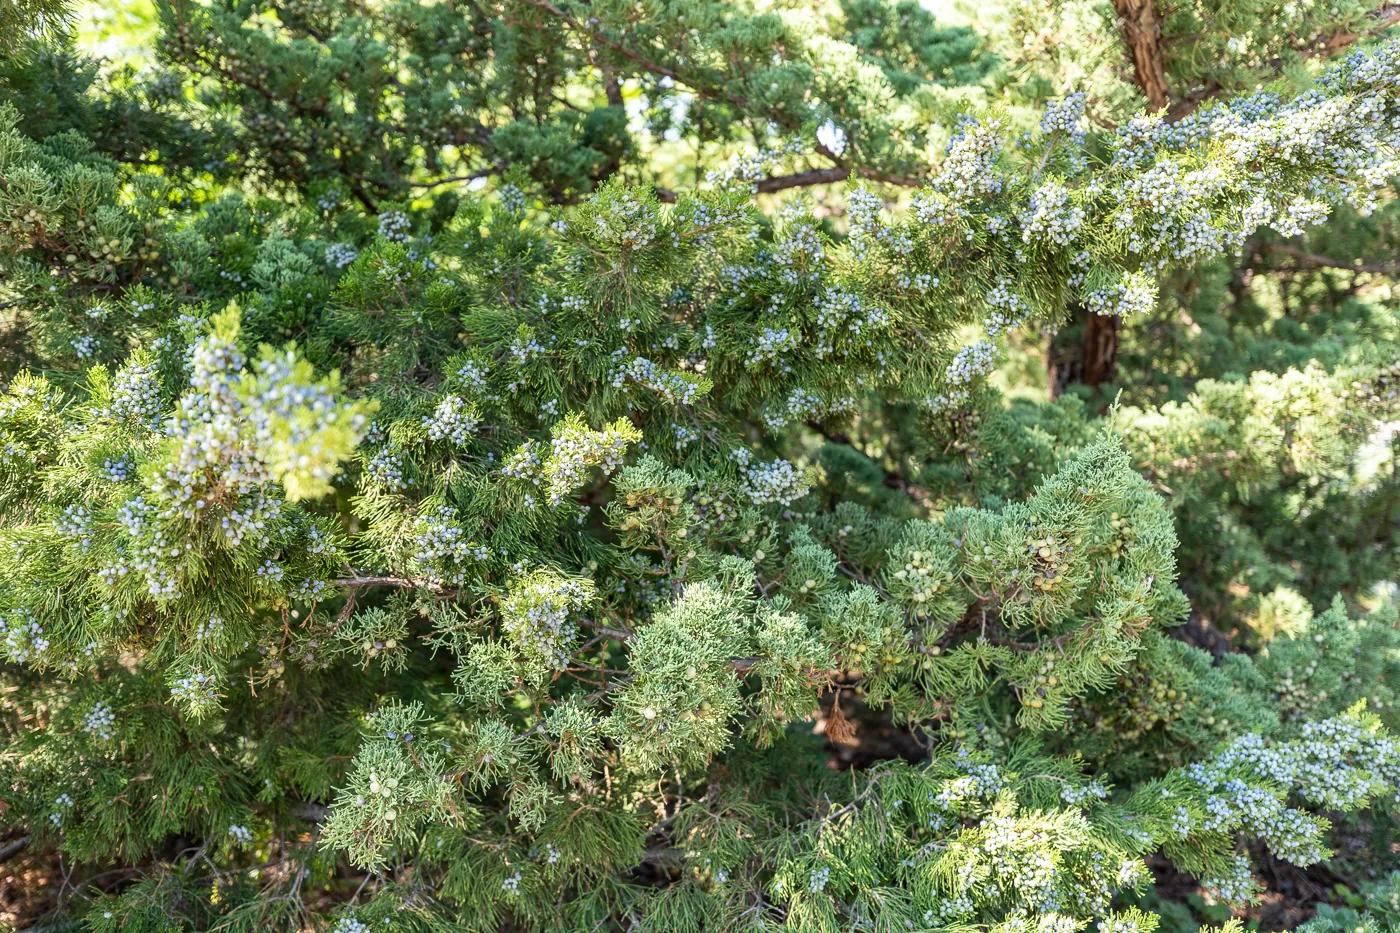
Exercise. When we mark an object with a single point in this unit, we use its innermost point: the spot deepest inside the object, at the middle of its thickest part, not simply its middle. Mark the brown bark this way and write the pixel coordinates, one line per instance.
(1091, 360)
(613, 89)
(1141, 28)
(1142, 34)
(1097, 361)
(1100, 349)
(819, 176)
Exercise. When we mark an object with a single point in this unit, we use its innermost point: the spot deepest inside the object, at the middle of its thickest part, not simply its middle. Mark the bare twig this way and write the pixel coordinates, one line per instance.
(1328, 262)
(358, 581)
(480, 173)
(10, 849)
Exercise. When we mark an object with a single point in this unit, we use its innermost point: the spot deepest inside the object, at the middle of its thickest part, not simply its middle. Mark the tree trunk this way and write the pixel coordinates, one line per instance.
(1142, 34)
(1095, 361)
(1086, 352)
(1100, 349)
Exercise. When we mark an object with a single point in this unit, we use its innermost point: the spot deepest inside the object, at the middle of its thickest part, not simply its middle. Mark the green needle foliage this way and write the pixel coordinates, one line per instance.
(384, 99)
(381, 552)
(28, 19)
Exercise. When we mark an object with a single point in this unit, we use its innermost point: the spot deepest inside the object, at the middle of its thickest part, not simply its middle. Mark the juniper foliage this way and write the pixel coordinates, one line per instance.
(481, 561)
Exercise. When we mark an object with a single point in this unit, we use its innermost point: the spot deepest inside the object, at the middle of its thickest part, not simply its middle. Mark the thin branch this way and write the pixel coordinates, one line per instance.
(669, 854)
(311, 812)
(874, 174)
(403, 583)
(11, 849)
(1328, 262)
(614, 634)
(646, 63)
(574, 107)
(818, 176)
(1383, 18)
(487, 172)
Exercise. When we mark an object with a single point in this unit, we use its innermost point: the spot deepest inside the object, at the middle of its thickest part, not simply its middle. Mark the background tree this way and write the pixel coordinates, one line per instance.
(1170, 58)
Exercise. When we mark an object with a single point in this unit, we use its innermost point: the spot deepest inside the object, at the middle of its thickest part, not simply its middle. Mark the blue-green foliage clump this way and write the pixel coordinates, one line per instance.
(429, 502)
